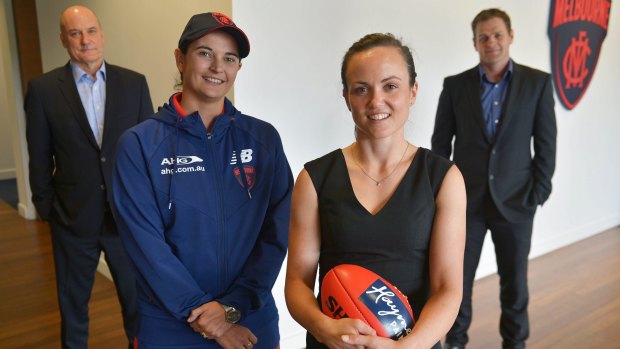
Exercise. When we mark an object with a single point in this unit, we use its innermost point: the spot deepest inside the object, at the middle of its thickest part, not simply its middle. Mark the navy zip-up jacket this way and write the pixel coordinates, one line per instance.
(203, 216)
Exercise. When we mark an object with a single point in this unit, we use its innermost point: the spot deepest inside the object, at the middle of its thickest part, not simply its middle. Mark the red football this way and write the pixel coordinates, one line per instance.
(352, 291)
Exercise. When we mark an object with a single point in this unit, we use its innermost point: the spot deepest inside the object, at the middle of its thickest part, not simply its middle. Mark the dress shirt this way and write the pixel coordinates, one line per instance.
(492, 97)
(92, 94)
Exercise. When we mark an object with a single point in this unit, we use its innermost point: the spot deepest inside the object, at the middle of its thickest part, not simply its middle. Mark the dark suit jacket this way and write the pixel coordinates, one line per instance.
(517, 182)
(69, 174)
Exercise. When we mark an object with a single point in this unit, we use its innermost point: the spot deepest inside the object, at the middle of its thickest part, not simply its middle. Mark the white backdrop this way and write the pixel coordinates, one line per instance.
(292, 79)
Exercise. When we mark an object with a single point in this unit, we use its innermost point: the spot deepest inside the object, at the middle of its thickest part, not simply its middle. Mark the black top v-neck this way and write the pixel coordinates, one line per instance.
(350, 184)
(394, 242)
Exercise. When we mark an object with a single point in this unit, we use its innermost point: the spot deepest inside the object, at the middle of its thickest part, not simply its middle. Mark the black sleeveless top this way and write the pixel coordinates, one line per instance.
(394, 242)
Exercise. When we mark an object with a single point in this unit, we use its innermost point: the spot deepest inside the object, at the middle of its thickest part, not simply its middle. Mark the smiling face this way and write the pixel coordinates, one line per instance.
(209, 67)
(492, 40)
(378, 92)
(82, 36)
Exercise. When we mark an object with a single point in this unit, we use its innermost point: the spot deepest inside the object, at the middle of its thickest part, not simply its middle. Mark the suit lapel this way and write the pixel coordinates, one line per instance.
(515, 89)
(66, 84)
(472, 90)
(111, 90)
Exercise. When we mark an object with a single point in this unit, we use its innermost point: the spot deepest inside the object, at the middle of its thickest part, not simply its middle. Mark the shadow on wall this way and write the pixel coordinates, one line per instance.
(8, 192)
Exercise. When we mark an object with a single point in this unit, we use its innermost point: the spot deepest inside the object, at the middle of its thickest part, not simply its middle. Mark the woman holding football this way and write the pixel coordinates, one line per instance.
(380, 203)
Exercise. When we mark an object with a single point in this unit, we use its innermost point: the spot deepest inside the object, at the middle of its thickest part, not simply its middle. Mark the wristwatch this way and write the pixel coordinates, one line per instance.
(232, 315)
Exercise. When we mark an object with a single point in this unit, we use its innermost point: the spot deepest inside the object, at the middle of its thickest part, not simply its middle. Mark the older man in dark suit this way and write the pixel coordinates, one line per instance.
(75, 114)
(493, 112)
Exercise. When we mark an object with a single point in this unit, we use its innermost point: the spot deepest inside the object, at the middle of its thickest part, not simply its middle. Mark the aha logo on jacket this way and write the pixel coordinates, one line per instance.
(577, 29)
(181, 160)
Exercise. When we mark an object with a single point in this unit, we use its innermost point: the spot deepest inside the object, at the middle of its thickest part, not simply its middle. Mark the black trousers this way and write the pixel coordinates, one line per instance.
(512, 243)
(76, 259)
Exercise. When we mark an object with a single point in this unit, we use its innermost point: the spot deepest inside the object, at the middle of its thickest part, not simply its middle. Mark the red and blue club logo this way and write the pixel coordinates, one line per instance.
(577, 29)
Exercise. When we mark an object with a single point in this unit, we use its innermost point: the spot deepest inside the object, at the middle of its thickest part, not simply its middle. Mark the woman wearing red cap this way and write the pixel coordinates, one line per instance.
(202, 195)
(381, 203)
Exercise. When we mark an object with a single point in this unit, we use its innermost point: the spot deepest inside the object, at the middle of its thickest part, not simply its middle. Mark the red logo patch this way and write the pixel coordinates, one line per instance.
(222, 19)
(250, 175)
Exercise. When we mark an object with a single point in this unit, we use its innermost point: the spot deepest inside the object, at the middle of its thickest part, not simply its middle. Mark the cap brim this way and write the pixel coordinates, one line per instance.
(243, 44)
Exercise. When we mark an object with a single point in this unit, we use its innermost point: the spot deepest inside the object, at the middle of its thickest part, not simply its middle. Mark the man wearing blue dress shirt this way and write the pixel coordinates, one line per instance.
(494, 113)
(75, 115)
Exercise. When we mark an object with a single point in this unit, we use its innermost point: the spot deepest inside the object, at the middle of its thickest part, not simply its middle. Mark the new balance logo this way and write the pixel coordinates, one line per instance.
(246, 156)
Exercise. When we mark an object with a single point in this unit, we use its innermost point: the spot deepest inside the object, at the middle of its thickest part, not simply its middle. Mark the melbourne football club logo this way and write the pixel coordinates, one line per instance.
(577, 29)
(222, 19)
(250, 175)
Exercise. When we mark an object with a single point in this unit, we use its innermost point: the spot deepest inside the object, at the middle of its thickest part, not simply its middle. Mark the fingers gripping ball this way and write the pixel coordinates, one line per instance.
(352, 291)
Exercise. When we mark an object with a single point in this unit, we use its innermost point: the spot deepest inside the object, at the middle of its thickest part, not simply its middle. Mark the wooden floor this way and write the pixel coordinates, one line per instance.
(575, 295)
(29, 315)
(574, 298)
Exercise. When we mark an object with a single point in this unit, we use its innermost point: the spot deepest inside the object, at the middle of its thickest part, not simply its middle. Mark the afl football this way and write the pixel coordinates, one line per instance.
(355, 292)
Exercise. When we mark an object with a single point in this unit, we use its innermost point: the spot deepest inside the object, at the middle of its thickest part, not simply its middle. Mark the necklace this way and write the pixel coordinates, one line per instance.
(378, 182)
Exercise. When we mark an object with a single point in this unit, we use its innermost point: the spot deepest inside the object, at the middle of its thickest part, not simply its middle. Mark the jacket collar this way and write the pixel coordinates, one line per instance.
(68, 89)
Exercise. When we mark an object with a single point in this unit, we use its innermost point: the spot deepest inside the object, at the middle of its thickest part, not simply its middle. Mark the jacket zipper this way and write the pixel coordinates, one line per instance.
(221, 228)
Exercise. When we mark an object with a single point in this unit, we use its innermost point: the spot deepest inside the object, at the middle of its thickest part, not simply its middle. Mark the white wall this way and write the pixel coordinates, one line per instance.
(292, 79)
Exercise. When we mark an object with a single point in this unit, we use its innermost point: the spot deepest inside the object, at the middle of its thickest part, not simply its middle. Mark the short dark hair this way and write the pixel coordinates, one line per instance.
(490, 13)
(376, 40)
